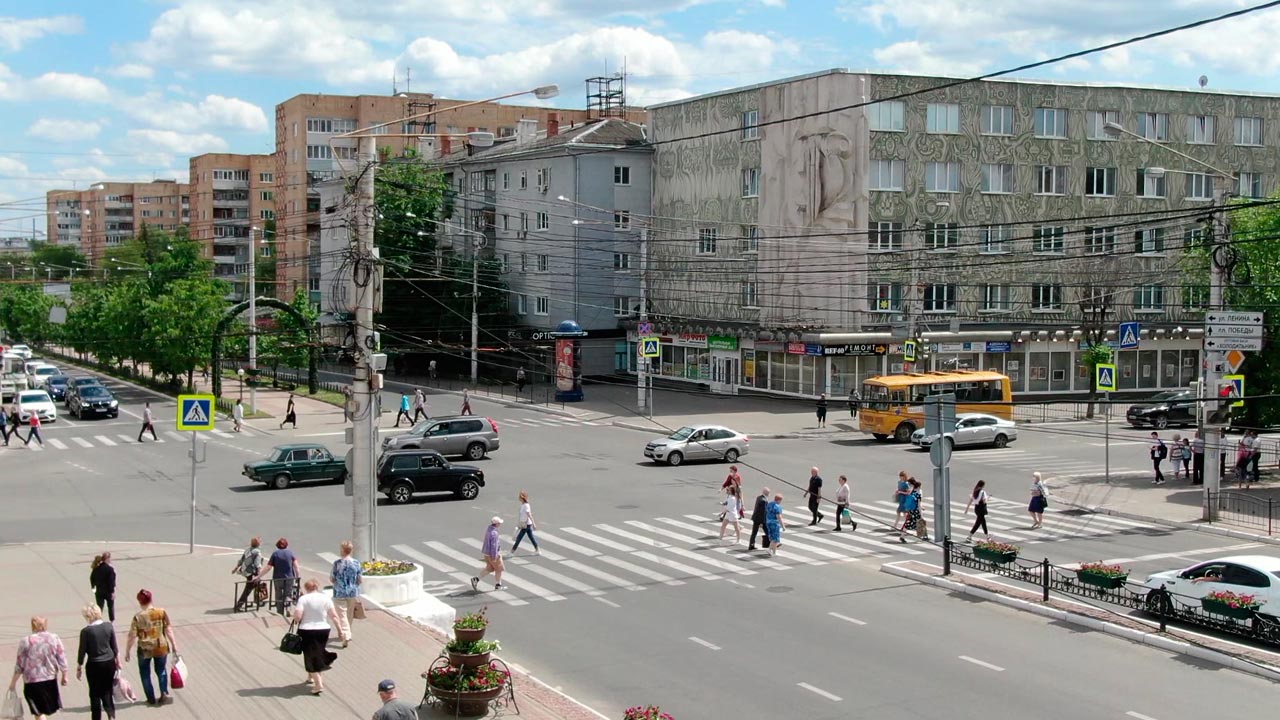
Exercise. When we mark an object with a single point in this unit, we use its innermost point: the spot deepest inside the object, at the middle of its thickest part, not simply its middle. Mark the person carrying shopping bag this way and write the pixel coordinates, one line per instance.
(347, 575)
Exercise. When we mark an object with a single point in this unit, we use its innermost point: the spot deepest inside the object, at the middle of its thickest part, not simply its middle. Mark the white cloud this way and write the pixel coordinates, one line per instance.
(912, 56)
(68, 86)
(172, 142)
(135, 71)
(64, 130)
(213, 112)
(16, 32)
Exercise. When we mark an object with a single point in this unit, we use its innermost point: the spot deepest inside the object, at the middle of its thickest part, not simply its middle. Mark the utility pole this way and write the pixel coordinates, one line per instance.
(253, 323)
(1219, 261)
(642, 362)
(364, 415)
(476, 246)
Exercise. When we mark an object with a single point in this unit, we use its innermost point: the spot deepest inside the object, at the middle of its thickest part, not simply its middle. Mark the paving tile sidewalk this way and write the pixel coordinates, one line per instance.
(235, 667)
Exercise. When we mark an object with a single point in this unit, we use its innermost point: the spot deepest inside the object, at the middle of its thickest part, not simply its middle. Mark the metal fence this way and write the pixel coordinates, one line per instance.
(279, 595)
(1056, 411)
(1236, 508)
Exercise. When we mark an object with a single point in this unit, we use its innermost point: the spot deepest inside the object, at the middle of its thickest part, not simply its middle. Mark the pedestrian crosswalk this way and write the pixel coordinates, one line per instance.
(545, 421)
(77, 442)
(634, 555)
(1009, 458)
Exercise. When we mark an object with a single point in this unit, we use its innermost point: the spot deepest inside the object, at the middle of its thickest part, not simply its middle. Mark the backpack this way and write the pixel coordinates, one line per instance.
(250, 563)
(1162, 451)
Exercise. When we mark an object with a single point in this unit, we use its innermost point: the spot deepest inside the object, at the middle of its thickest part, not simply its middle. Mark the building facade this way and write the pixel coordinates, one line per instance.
(231, 195)
(111, 213)
(839, 212)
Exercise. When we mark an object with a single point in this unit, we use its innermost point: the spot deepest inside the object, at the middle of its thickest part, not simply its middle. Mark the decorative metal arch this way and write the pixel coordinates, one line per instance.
(313, 379)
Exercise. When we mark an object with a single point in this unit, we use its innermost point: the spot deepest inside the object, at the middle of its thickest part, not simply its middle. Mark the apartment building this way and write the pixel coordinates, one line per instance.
(231, 195)
(831, 213)
(111, 213)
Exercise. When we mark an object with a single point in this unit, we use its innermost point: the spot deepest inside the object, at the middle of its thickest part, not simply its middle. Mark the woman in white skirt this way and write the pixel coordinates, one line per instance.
(731, 505)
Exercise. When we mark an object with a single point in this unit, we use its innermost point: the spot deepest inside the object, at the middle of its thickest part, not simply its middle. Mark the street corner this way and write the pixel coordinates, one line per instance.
(1132, 493)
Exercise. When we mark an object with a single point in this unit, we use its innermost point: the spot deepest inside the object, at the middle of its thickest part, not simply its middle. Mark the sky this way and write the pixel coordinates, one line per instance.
(94, 90)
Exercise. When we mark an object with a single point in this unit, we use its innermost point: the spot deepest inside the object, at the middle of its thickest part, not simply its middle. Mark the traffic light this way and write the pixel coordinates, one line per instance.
(1218, 411)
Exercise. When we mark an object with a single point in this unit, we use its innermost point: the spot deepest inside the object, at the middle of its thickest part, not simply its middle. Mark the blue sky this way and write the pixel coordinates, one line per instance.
(128, 89)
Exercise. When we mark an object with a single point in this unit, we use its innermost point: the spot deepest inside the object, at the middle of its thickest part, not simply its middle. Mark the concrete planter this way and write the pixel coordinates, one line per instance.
(390, 590)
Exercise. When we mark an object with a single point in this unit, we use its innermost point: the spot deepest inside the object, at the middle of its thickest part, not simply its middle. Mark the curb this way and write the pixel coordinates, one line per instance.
(763, 436)
(482, 396)
(1154, 640)
(1178, 524)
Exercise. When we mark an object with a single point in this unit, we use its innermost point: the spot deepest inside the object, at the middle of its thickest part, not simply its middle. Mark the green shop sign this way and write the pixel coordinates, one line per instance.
(722, 342)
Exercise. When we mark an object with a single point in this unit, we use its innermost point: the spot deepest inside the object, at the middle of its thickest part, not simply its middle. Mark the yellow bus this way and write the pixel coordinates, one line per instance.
(893, 405)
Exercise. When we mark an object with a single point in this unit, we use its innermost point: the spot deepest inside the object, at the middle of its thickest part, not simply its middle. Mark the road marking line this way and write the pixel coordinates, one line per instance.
(507, 577)
(1139, 716)
(580, 549)
(980, 663)
(694, 556)
(328, 557)
(598, 540)
(505, 597)
(176, 435)
(877, 542)
(613, 580)
(610, 603)
(819, 691)
(704, 643)
(424, 559)
(223, 434)
(846, 618)
(126, 438)
(562, 579)
(328, 434)
(57, 444)
(85, 443)
(642, 572)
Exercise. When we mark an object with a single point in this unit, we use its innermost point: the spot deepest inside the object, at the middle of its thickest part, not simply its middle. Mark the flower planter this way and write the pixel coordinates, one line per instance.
(399, 589)
(1107, 582)
(998, 557)
(467, 703)
(468, 661)
(1217, 607)
(468, 634)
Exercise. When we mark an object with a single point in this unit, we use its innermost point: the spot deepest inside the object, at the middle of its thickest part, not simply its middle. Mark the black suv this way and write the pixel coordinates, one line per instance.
(75, 384)
(93, 400)
(1177, 407)
(401, 473)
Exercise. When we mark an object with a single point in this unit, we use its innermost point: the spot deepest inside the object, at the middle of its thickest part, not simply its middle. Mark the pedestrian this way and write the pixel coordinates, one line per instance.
(290, 414)
(237, 415)
(1187, 457)
(420, 405)
(347, 396)
(1242, 458)
(97, 660)
(4, 426)
(466, 402)
(431, 368)
(153, 632)
(814, 493)
(347, 576)
(526, 525)
(900, 496)
(41, 658)
(730, 515)
(313, 613)
(1039, 500)
(284, 575)
(734, 480)
(1255, 455)
(915, 521)
(404, 410)
(822, 410)
(854, 401)
(1175, 453)
(978, 501)
(842, 505)
(248, 567)
(774, 524)
(1159, 451)
(148, 423)
(520, 381)
(102, 578)
(33, 431)
(759, 516)
(1197, 459)
(204, 372)
(492, 551)
(393, 708)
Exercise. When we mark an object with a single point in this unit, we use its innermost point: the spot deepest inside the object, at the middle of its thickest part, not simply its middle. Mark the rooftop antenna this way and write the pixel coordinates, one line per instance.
(408, 79)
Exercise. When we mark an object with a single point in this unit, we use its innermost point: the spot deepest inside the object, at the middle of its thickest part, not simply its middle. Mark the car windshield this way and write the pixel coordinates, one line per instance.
(681, 434)
(47, 371)
(279, 454)
(1166, 396)
(33, 397)
(85, 382)
(93, 392)
(57, 380)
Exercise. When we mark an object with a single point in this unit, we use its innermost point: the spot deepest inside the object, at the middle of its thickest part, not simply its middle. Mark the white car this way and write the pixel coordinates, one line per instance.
(1257, 575)
(698, 442)
(37, 374)
(973, 429)
(31, 402)
(24, 351)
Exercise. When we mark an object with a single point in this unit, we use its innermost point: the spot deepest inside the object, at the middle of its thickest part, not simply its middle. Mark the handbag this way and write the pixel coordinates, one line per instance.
(122, 690)
(12, 709)
(261, 593)
(178, 674)
(357, 610)
(291, 642)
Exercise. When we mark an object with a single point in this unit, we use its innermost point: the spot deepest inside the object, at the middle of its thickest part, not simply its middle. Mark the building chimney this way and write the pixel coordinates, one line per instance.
(526, 130)
(446, 146)
(553, 124)
(427, 148)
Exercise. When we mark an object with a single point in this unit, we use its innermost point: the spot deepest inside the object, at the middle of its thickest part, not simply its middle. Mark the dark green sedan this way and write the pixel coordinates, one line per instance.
(300, 462)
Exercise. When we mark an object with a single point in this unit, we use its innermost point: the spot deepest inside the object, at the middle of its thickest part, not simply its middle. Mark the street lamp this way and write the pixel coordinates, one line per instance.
(476, 245)
(240, 375)
(253, 316)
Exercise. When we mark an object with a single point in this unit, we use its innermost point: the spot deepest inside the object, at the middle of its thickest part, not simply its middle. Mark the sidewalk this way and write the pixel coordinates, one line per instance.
(235, 667)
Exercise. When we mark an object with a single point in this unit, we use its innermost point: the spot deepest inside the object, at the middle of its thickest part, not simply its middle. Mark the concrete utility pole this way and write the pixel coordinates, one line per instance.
(253, 322)
(643, 400)
(476, 246)
(364, 415)
(1218, 263)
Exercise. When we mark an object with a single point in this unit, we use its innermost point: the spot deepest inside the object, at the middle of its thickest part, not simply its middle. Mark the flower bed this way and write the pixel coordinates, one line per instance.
(468, 691)
(470, 653)
(1109, 577)
(381, 568)
(645, 712)
(1229, 604)
(471, 627)
(996, 552)
(391, 582)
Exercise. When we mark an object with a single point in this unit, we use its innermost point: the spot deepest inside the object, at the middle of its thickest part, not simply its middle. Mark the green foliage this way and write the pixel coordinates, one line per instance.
(24, 313)
(58, 258)
(178, 334)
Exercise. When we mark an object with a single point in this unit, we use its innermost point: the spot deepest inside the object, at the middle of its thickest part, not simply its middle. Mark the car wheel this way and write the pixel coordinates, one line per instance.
(675, 459)
(280, 482)
(951, 444)
(1156, 604)
(401, 493)
(1001, 441)
(880, 436)
(1160, 422)
(475, 451)
(468, 490)
(903, 432)
(731, 456)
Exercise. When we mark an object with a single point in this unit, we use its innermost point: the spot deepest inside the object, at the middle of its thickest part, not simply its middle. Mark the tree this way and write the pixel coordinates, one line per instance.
(85, 328)
(180, 324)
(24, 313)
(289, 342)
(60, 258)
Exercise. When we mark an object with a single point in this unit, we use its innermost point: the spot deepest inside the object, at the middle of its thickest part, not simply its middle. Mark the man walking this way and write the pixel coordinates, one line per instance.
(148, 423)
(1159, 451)
(758, 517)
(492, 551)
(854, 400)
(466, 402)
(4, 425)
(1197, 459)
(520, 381)
(404, 410)
(393, 708)
(814, 493)
(822, 410)
(420, 405)
(1255, 455)
(237, 415)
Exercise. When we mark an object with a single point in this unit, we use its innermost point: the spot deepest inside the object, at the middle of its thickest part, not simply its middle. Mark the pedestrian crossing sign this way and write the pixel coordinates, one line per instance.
(1237, 382)
(1106, 377)
(650, 347)
(909, 351)
(195, 412)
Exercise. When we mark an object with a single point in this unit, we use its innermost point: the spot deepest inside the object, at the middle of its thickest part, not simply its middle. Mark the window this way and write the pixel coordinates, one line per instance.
(997, 298)
(1150, 185)
(886, 116)
(996, 239)
(942, 118)
(238, 175)
(884, 297)
(884, 236)
(1051, 122)
(750, 296)
(940, 298)
(1199, 186)
(542, 305)
(750, 239)
(477, 181)
(750, 182)
(1195, 237)
(1099, 240)
(997, 120)
(1154, 126)
(1046, 298)
(319, 125)
(621, 175)
(997, 178)
(707, 239)
(506, 221)
(319, 152)
(524, 262)
(1095, 124)
(621, 261)
(267, 214)
(343, 152)
(524, 221)
(1100, 182)
(544, 221)
(504, 263)
(1095, 297)
(621, 219)
(1200, 129)
(941, 236)
(621, 306)
(506, 181)
(1250, 185)
(1051, 180)
(942, 177)
(1195, 297)
(266, 195)
(266, 177)
(1249, 131)
(544, 178)
(524, 179)
(887, 174)
(751, 125)
(1149, 241)
(544, 263)
(1148, 297)
(1048, 239)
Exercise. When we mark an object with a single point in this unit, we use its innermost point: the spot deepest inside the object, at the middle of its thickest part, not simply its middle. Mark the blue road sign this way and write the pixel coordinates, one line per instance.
(1129, 332)
(1106, 377)
(195, 412)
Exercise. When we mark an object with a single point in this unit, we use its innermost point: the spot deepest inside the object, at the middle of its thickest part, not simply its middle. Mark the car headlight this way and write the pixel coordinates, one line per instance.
(114, 403)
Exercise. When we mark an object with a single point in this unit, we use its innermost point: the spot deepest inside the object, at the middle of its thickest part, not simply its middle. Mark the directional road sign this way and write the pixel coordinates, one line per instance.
(195, 412)
(1233, 331)
(1129, 333)
(1238, 382)
(1106, 377)
(650, 347)
(1219, 344)
(1214, 317)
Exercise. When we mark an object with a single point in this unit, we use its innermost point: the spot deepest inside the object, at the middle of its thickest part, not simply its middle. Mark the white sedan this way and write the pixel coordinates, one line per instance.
(31, 402)
(1257, 575)
(973, 429)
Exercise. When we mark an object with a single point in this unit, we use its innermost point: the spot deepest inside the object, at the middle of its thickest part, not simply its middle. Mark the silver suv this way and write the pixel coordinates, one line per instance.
(470, 436)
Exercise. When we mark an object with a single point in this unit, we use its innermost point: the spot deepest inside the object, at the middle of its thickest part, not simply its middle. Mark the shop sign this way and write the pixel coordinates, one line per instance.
(956, 347)
(812, 349)
(690, 340)
(722, 342)
(1000, 346)
(856, 349)
(795, 348)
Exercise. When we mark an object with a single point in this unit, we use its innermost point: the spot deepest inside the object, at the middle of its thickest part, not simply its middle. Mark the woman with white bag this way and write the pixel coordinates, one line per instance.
(41, 659)
(732, 506)
(98, 660)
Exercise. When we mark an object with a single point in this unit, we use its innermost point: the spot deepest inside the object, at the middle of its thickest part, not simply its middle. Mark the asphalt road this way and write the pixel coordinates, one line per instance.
(635, 600)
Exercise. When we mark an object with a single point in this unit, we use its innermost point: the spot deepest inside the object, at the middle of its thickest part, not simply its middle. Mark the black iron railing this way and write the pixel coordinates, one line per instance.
(279, 595)
(1236, 508)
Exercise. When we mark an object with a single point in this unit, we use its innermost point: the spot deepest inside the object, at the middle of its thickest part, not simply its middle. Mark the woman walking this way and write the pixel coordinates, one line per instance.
(842, 506)
(102, 578)
(1187, 455)
(900, 495)
(33, 431)
(41, 659)
(526, 525)
(97, 660)
(290, 414)
(734, 480)
(284, 575)
(732, 506)
(153, 632)
(313, 614)
(914, 521)
(978, 501)
(822, 410)
(1039, 501)
(774, 524)
(248, 567)
(347, 575)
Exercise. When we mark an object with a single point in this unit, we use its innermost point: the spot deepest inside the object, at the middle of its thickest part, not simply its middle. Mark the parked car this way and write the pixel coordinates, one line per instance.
(93, 400)
(465, 435)
(973, 429)
(404, 473)
(1257, 575)
(1176, 407)
(36, 402)
(56, 386)
(74, 385)
(38, 373)
(298, 462)
(698, 442)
